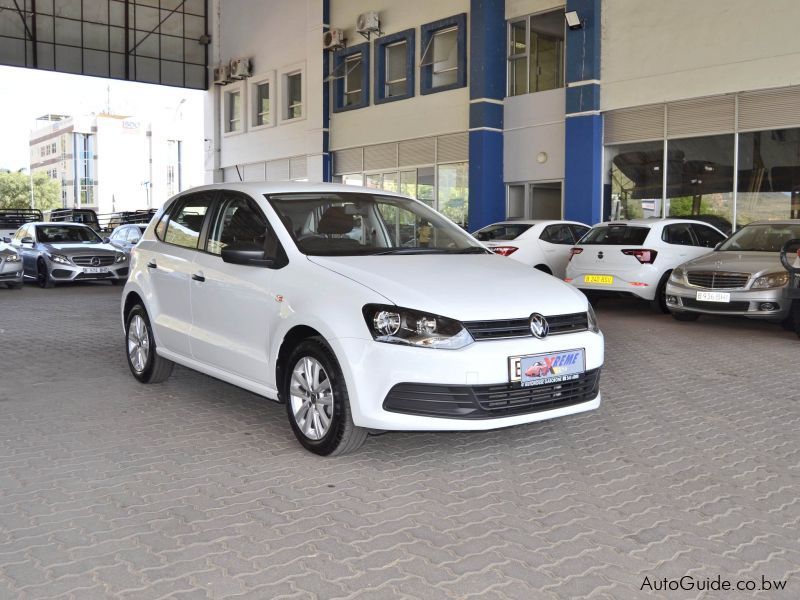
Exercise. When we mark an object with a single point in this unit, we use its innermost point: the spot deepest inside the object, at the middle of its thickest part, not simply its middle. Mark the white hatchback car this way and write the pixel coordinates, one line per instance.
(636, 257)
(544, 245)
(323, 297)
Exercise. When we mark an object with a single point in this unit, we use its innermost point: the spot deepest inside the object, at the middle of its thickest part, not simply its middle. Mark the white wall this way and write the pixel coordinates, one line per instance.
(420, 116)
(690, 48)
(520, 8)
(534, 123)
(275, 35)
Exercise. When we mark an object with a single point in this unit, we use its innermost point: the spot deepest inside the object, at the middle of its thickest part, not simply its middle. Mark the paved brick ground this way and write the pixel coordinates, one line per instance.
(196, 489)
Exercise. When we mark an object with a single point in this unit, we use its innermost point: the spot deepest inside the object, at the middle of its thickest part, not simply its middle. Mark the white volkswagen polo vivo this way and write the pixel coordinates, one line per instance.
(325, 297)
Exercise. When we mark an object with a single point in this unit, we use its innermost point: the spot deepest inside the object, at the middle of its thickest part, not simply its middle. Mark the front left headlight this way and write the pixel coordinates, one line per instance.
(13, 258)
(773, 280)
(678, 275)
(396, 325)
(594, 326)
(121, 258)
(60, 259)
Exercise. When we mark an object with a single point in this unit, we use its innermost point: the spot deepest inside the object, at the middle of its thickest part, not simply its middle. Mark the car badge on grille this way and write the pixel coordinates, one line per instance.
(600, 254)
(539, 326)
(95, 261)
(718, 264)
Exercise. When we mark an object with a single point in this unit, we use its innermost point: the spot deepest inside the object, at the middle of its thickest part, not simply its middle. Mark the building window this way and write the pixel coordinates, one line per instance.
(453, 192)
(351, 78)
(394, 66)
(262, 104)
(536, 53)
(443, 65)
(294, 95)
(233, 111)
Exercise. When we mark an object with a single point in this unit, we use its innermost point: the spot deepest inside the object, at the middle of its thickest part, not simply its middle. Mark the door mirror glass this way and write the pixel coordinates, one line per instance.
(26, 240)
(7, 240)
(246, 254)
(106, 240)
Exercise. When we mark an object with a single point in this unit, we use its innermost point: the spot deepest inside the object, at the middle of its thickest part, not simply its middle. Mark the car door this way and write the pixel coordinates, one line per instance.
(683, 243)
(170, 264)
(233, 306)
(555, 242)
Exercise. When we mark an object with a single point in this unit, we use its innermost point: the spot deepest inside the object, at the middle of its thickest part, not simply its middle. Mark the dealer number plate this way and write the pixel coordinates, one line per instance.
(553, 367)
(714, 296)
(602, 279)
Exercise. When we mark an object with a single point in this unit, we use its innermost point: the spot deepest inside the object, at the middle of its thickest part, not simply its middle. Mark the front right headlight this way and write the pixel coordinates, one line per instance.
(396, 325)
(773, 280)
(678, 275)
(13, 258)
(594, 326)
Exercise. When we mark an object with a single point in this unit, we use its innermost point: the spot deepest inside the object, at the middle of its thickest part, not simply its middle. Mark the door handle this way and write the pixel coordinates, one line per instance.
(152, 265)
(198, 277)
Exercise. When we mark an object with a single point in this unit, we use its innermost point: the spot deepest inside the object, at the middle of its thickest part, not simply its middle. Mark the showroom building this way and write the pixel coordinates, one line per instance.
(486, 109)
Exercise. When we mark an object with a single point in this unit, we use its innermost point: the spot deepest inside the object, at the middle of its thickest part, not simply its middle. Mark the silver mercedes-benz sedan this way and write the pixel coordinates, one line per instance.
(10, 264)
(743, 276)
(65, 252)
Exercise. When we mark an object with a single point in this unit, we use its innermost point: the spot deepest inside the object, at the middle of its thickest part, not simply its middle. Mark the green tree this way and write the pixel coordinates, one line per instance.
(15, 191)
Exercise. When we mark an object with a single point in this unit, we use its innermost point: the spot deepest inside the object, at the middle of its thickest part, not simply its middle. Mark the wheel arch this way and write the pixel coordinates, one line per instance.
(292, 337)
(543, 268)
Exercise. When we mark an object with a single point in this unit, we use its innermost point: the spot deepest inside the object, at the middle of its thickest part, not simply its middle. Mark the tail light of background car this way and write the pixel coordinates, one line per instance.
(645, 257)
(504, 250)
(574, 251)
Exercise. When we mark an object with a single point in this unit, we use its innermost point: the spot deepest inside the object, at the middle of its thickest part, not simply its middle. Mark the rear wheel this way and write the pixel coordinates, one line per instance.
(685, 316)
(43, 275)
(140, 345)
(317, 402)
(659, 303)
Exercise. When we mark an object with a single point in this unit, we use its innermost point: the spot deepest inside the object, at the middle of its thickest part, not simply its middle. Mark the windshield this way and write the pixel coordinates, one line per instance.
(769, 237)
(616, 235)
(353, 224)
(502, 231)
(65, 234)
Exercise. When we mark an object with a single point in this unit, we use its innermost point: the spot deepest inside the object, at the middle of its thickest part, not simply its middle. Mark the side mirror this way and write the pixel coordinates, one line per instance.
(7, 240)
(106, 240)
(26, 240)
(246, 254)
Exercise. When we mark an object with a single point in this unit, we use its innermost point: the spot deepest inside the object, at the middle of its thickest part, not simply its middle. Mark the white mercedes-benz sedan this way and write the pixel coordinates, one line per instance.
(360, 310)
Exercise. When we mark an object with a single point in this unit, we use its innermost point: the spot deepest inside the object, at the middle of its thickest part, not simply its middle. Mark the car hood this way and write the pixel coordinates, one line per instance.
(464, 287)
(737, 261)
(78, 249)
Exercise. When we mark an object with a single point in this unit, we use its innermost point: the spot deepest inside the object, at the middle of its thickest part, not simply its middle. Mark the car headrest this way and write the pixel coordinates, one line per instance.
(336, 221)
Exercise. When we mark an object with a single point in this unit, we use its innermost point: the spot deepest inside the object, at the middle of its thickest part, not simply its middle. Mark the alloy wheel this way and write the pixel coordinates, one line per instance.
(311, 397)
(138, 343)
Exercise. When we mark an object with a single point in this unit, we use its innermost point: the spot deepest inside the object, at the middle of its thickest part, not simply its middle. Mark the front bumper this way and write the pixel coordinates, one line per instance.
(67, 273)
(375, 371)
(770, 305)
(10, 272)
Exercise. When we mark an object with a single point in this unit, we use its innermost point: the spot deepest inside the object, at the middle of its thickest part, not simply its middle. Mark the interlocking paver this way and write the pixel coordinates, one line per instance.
(196, 489)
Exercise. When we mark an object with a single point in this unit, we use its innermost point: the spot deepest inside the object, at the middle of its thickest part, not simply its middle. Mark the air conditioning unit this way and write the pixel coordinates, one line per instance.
(222, 75)
(368, 22)
(240, 68)
(333, 39)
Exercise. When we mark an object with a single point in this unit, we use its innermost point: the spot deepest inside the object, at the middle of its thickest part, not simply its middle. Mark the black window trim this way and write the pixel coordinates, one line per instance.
(173, 208)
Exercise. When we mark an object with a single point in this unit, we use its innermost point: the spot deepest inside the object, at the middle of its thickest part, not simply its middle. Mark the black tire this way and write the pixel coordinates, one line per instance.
(659, 303)
(342, 435)
(543, 269)
(685, 316)
(43, 275)
(794, 315)
(155, 368)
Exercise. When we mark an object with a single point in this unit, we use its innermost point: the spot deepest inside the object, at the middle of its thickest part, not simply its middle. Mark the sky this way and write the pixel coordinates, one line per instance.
(26, 94)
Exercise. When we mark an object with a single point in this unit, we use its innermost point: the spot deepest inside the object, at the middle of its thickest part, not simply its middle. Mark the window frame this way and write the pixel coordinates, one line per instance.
(526, 54)
(227, 92)
(428, 33)
(283, 76)
(258, 80)
(340, 60)
(381, 44)
(175, 207)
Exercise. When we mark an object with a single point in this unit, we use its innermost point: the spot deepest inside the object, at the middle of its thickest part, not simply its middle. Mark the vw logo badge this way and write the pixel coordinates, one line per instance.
(539, 326)
(95, 261)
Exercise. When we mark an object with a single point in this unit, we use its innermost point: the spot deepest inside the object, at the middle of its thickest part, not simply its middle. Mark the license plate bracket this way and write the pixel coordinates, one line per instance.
(722, 297)
(546, 368)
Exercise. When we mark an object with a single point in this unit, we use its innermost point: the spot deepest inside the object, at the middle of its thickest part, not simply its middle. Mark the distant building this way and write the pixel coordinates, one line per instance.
(110, 162)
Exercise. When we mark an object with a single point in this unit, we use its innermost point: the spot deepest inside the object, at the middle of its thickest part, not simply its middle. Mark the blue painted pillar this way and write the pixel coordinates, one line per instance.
(583, 177)
(327, 174)
(487, 86)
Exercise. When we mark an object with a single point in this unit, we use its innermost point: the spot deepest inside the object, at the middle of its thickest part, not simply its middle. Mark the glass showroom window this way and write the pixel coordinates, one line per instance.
(637, 177)
(396, 69)
(453, 192)
(536, 53)
(769, 176)
(262, 107)
(294, 96)
(233, 111)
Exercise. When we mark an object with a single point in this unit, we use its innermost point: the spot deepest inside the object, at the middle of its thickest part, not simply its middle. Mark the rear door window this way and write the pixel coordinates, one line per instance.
(679, 234)
(186, 221)
(616, 235)
(502, 231)
(579, 231)
(558, 234)
(706, 236)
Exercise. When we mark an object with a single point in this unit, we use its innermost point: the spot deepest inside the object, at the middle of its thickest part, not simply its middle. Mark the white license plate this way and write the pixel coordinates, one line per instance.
(95, 270)
(552, 367)
(714, 296)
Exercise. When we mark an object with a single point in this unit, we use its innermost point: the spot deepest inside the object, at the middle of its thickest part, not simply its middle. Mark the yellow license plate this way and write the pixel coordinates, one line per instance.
(603, 279)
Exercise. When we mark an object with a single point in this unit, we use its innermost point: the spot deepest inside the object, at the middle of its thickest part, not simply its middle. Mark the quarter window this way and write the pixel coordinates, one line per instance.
(183, 228)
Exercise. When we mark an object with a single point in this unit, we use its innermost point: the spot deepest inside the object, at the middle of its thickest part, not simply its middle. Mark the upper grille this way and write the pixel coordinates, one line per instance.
(511, 328)
(87, 261)
(718, 280)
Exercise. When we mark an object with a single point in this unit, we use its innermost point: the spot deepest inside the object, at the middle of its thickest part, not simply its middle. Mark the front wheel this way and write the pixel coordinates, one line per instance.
(317, 402)
(140, 344)
(43, 275)
(659, 303)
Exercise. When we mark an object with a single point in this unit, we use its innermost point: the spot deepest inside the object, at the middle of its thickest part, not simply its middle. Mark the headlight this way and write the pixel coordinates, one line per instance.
(678, 275)
(58, 258)
(592, 318)
(121, 258)
(13, 258)
(395, 325)
(773, 280)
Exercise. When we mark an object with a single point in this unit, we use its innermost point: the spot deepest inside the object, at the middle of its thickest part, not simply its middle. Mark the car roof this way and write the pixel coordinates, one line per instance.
(536, 222)
(256, 188)
(60, 224)
(651, 221)
(775, 222)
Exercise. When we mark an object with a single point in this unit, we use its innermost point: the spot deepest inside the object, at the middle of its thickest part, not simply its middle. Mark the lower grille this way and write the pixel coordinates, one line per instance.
(93, 261)
(716, 306)
(718, 280)
(489, 401)
(93, 276)
(511, 328)
(61, 273)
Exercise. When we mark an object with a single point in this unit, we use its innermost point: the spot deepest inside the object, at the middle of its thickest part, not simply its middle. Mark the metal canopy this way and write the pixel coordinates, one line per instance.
(151, 41)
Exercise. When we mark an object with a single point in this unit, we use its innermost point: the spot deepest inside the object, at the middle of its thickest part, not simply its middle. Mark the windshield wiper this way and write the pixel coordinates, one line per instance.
(472, 250)
(415, 250)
